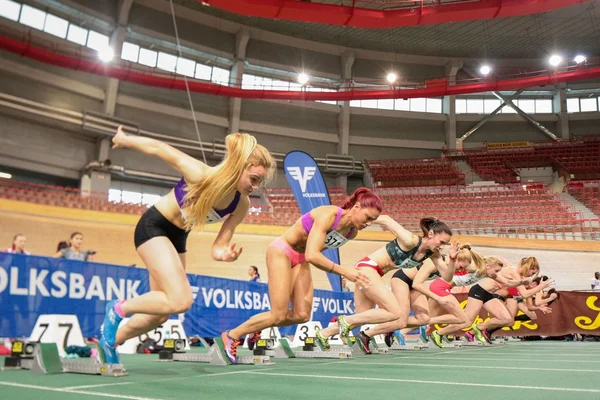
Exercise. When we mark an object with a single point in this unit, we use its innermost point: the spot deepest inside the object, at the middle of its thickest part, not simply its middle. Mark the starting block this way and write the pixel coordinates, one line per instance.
(409, 345)
(466, 343)
(451, 343)
(214, 356)
(498, 341)
(310, 350)
(373, 347)
(21, 356)
(46, 360)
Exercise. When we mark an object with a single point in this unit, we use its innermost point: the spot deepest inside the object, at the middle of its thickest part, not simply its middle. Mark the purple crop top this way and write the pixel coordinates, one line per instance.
(333, 239)
(214, 215)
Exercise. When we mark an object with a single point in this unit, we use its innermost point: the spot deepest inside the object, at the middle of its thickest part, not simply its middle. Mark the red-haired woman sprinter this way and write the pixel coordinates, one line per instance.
(289, 258)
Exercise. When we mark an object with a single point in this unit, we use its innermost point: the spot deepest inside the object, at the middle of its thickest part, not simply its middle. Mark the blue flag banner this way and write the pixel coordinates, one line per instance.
(309, 188)
(31, 286)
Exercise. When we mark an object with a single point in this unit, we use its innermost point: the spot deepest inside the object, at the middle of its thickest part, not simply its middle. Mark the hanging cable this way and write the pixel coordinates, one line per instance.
(187, 88)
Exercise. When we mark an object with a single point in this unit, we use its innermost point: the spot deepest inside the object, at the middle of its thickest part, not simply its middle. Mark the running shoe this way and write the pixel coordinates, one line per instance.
(470, 337)
(399, 337)
(478, 334)
(363, 342)
(486, 336)
(322, 341)
(110, 353)
(252, 339)
(109, 327)
(344, 329)
(430, 328)
(389, 339)
(437, 339)
(423, 334)
(230, 346)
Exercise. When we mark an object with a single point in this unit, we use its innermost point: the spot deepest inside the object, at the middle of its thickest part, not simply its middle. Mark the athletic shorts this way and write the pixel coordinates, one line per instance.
(294, 256)
(153, 224)
(440, 287)
(402, 276)
(368, 263)
(513, 292)
(479, 293)
(499, 297)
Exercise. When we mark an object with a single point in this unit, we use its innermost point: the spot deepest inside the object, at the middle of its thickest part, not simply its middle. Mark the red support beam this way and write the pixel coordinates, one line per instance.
(433, 88)
(360, 17)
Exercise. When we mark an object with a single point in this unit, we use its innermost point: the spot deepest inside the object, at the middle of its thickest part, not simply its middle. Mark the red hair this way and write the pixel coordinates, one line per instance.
(366, 198)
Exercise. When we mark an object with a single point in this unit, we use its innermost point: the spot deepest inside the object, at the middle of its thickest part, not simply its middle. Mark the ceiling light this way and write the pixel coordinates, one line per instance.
(554, 60)
(302, 78)
(580, 59)
(485, 69)
(106, 54)
(391, 77)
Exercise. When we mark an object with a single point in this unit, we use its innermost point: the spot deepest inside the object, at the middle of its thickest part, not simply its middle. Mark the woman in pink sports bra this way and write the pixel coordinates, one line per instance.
(289, 258)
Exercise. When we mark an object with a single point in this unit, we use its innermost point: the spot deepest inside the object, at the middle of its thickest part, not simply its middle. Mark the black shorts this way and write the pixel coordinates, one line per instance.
(479, 293)
(497, 296)
(402, 276)
(154, 224)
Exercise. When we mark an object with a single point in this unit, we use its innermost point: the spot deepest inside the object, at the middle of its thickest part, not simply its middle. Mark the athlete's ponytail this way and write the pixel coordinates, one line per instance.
(433, 224)
(366, 198)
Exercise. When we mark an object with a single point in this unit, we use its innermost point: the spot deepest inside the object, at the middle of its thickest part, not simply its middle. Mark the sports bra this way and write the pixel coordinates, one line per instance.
(213, 215)
(333, 239)
(403, 259)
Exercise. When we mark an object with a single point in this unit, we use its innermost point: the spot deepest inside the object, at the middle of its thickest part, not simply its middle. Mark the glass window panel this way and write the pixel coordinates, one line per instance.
(203, 72)
(220, 76)
(247, 81)
(295, 86)
(475, 106)
(489, 105)
(77, 35)
(186, 66)
(10, 9)
(543, 106)
(148, 57)
(508, 110)
(281, 85)
(461, 106)
(130, 52)
(32, 17)
(167, 62)
(385, 104)
(573, 104)
(56, 26)
(402, 104)
(418, 105)
(150, 199)
(354, 103)
(114, 195)
(434, 106)
(97, 41)
(131, 197)
(588, 104)
(368, 103)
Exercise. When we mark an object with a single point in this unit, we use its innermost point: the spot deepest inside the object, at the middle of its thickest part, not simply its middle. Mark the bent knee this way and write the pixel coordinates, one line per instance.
(423, 319)
(301, 317)
(180, 304)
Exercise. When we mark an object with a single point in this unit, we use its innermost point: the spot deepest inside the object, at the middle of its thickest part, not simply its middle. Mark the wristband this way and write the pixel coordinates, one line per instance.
(452, 258)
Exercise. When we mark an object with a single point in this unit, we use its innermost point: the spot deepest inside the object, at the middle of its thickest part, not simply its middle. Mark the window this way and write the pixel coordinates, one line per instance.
(9, 9)
(527, 105)
(203, 72)
(131, 197)
(186, 67)
(385, 104)
(77, 35)
(588, 104)
(150, 199)
(475, 106)
(434, 106)
(402, 104)
(247, 81)
(507, 109)
(97, 41)
(295, 86)
(543, 106)
(573, 105)
(32, 17)
(368, 103)
(114, 195)
(147, 57)
(280, 85)
(489, 105)
(354, 103)
(418, 105)
(220, 76)
(461, 106)
(56, 26)
(167, 62)
(130, 52)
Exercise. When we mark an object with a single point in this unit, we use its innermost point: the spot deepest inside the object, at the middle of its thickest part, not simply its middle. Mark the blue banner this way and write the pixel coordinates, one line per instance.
(31, 286)
(309, 188)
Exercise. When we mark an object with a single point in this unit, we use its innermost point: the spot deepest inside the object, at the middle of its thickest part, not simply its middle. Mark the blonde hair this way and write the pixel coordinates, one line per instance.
(529, 263)
(492, 260)
(471, 256)
(242, 152)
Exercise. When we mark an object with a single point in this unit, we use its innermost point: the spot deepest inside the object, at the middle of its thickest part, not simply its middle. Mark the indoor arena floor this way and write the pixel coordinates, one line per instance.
(535, 370)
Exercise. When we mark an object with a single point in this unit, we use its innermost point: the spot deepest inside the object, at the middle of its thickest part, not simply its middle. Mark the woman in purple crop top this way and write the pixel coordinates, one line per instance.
(204, 195)
(289, 258)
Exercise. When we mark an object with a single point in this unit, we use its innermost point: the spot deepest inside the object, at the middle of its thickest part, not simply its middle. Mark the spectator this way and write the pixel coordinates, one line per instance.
(62, 245)
(254, 275)
(18, 245)
(596, 282)
(73, 252)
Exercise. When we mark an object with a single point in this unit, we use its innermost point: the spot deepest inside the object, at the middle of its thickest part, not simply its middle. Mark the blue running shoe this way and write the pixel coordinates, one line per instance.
(111, 324)
(423, 334)
(399, 337)
(110, 353)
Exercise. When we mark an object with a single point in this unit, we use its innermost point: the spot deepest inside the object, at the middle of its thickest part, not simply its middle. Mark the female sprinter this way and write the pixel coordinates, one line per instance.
(289, 258)
(204, 195)
(481, 295)
(408, 252)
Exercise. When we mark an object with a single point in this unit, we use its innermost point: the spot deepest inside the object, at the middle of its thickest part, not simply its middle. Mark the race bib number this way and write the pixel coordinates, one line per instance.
(212, 217)
(410, 263)
(334, 240)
